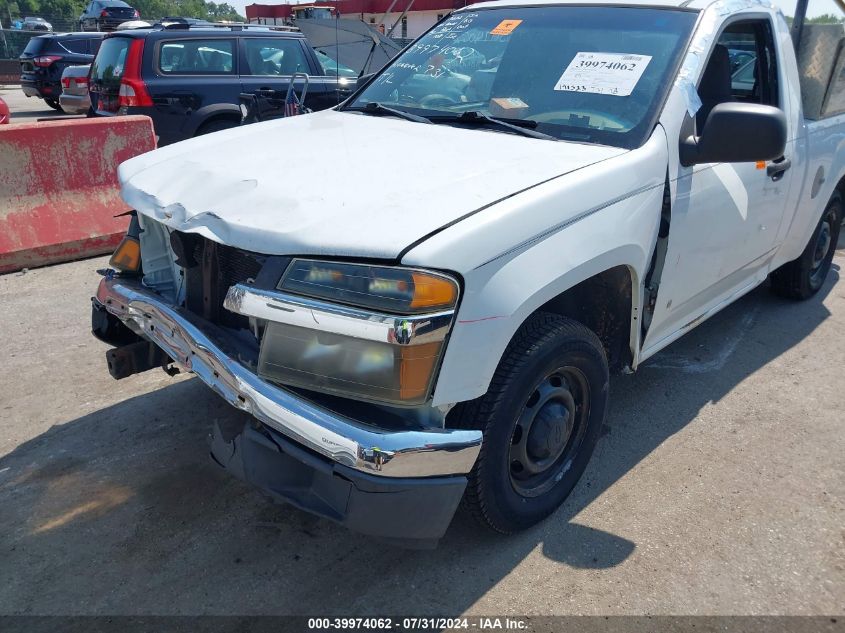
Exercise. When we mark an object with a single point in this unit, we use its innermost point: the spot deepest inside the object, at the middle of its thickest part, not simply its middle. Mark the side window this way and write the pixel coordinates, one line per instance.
(197, 57)
(94, 45)
(274, 57)
(742, 67)
(836, 92)
(79, 47)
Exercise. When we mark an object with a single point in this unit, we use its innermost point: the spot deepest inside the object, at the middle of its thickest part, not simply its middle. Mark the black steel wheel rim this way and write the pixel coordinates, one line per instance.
(549, 431)
(823, 251)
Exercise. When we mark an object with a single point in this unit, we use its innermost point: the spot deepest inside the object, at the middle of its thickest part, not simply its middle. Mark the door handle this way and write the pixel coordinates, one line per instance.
(778, 168)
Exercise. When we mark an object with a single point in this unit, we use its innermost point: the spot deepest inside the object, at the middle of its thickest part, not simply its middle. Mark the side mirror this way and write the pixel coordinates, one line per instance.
(737, 133)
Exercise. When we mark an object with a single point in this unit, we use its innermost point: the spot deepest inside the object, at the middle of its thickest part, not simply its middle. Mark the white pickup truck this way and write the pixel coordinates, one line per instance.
(420, 294)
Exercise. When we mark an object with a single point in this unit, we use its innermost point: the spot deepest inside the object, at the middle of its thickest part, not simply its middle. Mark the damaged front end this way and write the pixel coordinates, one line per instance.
(340, 390)
(132, 352)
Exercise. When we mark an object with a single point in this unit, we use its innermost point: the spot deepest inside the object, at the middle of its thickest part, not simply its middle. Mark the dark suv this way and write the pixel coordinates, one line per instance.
(45, 58)
(189, 79)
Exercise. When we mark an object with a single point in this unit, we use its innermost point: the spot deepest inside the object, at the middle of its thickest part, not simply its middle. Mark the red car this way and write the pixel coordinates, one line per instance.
(4, 112)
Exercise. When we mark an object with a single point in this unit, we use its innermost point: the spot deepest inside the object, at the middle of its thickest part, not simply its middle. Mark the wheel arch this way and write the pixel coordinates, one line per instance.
(216, 112)
(604, 304)
(604, 294)
(840, 187)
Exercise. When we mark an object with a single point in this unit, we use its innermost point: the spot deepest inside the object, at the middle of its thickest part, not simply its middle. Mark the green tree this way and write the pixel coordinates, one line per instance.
(827, 18)
(64, 13)
(223, 11)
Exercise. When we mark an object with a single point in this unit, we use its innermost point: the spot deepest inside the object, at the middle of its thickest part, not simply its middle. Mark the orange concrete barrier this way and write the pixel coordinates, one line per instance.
(58, 187)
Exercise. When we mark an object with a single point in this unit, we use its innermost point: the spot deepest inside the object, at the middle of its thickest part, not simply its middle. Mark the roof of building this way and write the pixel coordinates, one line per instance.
(686, 4)
(347, 7)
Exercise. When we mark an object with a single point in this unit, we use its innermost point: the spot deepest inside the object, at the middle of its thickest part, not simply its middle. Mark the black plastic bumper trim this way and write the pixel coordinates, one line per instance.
(411, 512)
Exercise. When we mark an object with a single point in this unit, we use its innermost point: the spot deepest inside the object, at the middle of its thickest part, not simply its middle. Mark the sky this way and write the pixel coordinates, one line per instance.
(817, 7)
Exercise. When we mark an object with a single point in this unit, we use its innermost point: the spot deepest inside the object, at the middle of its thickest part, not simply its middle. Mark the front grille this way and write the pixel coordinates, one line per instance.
(210, 270)
(236, 265)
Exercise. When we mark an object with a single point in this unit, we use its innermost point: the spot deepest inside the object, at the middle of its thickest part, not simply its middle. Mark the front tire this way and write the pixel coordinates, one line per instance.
(541, 419)
(803, 277)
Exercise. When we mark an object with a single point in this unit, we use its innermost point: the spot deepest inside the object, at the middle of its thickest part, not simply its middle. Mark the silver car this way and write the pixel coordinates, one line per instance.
(74, 98)
(36, 24)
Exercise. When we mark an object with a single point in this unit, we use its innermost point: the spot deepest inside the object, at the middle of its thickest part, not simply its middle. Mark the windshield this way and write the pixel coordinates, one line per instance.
(107, 68)
(589, 74)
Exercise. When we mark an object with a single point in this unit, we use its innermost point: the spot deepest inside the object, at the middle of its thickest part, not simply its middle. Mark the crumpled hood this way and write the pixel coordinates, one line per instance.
(339, 183)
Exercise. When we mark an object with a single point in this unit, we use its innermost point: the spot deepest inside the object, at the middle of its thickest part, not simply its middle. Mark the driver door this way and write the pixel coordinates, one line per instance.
(725, 218)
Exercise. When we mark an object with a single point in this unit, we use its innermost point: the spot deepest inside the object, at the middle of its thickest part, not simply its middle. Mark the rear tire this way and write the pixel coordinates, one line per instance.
(216, 126)
(803, 277)
(541, 420)
(53, 103)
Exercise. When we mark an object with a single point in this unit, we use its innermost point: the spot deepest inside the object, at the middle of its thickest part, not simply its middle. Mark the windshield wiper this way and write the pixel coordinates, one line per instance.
(479, 118)
(376, 108)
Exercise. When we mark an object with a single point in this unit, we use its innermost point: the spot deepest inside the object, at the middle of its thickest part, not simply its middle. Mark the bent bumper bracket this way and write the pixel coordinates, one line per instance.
(197, 346)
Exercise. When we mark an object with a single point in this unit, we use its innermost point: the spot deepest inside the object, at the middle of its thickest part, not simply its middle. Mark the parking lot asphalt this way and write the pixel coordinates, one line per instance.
(718, 487)
(26, 109)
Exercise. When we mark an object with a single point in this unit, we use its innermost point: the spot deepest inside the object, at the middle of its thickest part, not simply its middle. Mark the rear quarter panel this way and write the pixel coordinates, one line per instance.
(825, 150)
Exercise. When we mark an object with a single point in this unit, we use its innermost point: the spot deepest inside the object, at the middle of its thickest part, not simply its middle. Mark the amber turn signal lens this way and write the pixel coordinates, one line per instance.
(416, 370)
(433, 292)
(127, 257)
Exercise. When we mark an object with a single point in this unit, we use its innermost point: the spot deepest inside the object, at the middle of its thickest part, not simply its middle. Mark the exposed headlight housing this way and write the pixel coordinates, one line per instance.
(366, 332)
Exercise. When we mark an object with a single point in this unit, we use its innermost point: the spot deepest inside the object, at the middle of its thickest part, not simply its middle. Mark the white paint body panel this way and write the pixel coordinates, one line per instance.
(521, 220)
(731, 225)
(352, 195)
(726, 218)
(537, 254)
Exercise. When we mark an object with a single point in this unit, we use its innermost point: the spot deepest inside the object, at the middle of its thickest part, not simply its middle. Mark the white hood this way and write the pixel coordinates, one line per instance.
(339, 183)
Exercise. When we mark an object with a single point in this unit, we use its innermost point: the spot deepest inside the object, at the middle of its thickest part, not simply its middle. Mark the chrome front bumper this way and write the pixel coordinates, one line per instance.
(195, 345)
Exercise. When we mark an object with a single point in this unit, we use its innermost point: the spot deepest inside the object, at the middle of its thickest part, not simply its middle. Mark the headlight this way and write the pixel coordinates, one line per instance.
(365, 332)
(388, 290)
(356, 368)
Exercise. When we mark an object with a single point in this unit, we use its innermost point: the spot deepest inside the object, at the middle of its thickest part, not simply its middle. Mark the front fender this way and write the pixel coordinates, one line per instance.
(540, 251)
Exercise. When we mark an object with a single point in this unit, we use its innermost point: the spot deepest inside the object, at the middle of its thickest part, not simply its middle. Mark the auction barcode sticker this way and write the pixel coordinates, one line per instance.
(603, 73)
